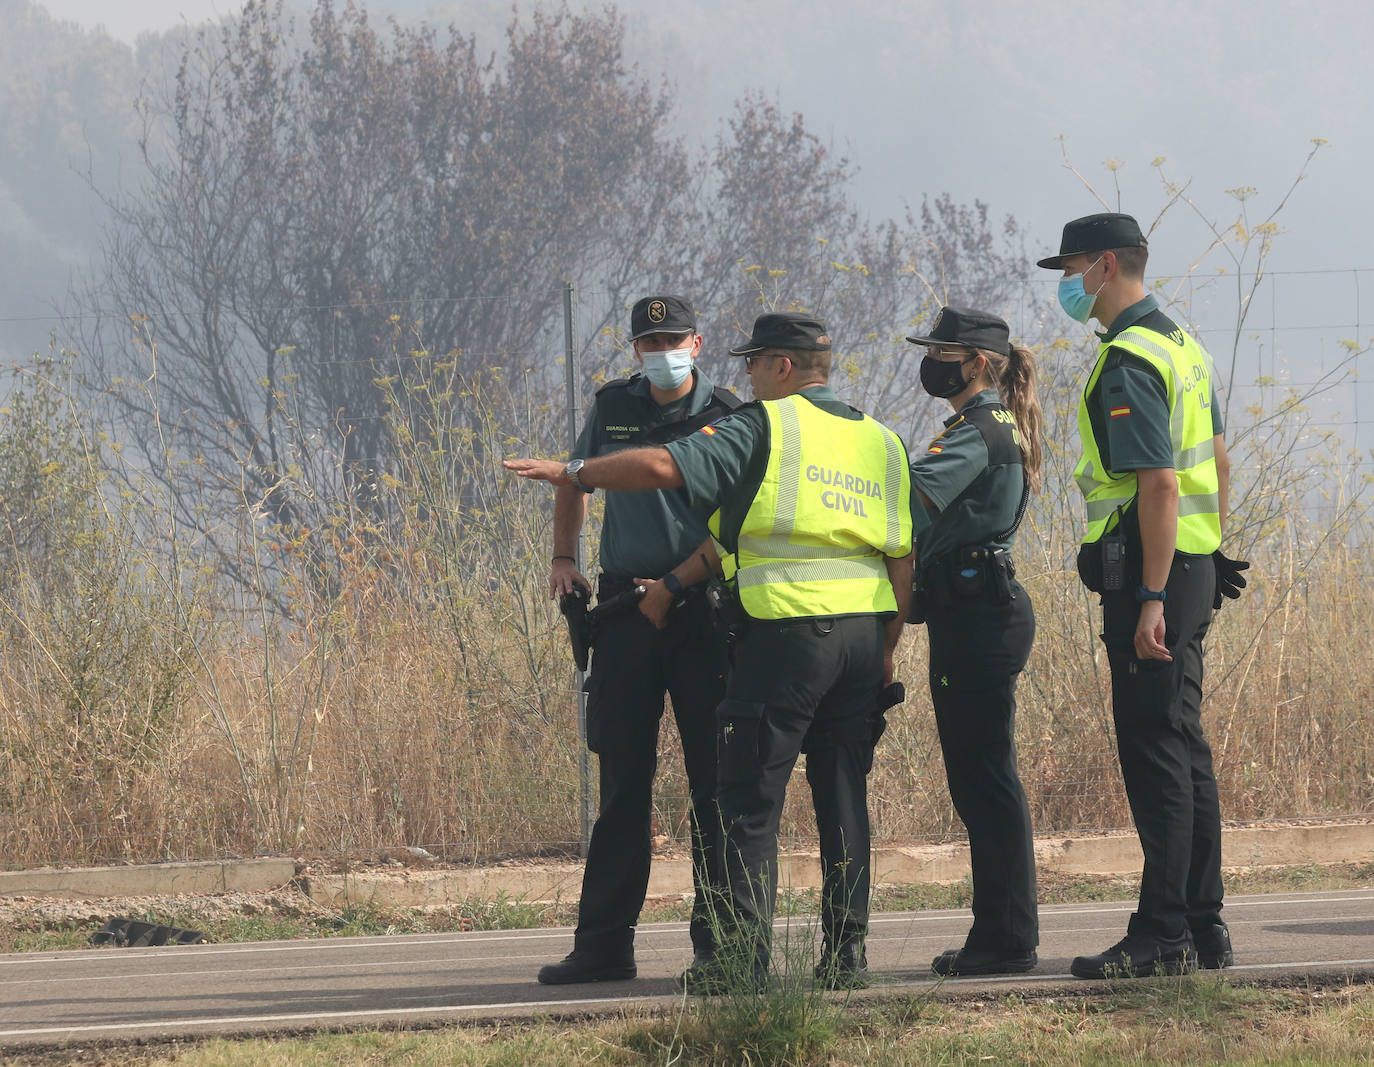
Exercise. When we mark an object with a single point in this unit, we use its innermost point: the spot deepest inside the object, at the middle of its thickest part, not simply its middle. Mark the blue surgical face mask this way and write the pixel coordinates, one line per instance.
(668, 370)
(1077, 303)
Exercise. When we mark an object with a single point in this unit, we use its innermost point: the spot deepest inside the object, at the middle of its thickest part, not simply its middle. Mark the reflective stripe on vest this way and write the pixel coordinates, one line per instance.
(834, 500)
(1187, 372)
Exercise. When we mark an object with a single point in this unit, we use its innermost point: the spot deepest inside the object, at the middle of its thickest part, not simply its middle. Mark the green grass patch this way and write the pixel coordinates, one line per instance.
(1194, 1019)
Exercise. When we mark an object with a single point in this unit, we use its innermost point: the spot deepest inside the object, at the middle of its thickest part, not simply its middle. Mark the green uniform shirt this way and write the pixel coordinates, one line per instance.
(644, 534)
(973, 499)
(724, 467)
(1140, 440)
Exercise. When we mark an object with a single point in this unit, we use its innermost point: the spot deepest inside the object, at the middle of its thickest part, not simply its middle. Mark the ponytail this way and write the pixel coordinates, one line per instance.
(1014, 375)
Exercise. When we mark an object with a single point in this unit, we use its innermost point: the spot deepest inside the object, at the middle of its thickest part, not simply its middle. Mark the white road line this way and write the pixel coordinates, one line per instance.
(329, 943)
(246, 1020)
(274, 969)
(83, 956)
(243, 1020)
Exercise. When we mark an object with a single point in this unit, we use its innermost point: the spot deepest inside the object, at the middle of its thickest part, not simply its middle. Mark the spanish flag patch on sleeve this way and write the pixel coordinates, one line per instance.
(936, 448)
(1121, 412)
(708, 429)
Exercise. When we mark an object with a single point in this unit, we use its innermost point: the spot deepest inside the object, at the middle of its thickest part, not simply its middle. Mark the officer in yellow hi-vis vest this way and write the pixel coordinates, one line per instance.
(1154, 478)
(810, 502)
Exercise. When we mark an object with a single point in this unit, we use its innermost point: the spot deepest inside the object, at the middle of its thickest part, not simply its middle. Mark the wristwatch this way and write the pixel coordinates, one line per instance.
(673, 583)
(1144, 593)
(572, 469)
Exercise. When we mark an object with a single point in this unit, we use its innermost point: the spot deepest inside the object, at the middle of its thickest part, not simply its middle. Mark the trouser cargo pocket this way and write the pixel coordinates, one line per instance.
(738, 724)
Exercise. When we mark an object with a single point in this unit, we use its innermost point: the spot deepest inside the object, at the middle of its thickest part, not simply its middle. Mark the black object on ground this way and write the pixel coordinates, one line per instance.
(132, 933)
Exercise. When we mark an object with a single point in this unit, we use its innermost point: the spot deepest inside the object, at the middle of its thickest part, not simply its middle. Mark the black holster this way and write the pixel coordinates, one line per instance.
(974, 572)
(726, 610)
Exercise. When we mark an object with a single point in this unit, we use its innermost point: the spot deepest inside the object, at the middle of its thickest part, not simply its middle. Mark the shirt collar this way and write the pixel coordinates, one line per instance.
(979, 399)
(819, 392)
(1129, 317)
(697, 399)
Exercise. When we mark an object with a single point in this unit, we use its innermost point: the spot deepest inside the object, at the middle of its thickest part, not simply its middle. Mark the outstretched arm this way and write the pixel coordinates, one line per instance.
(635, 468)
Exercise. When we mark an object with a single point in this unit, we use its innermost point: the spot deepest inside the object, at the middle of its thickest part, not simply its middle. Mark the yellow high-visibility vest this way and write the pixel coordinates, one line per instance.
(834, 500)
(1187, 371)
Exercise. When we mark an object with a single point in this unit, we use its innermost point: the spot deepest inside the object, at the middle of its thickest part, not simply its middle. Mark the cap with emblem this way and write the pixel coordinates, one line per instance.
(661, 314)
(1096, 233)
(967, 328)
(785, 329)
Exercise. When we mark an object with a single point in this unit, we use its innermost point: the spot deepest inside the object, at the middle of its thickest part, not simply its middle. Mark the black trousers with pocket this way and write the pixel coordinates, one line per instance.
(977, 649)
(633, 666)
(798, 683)
(1166, 762)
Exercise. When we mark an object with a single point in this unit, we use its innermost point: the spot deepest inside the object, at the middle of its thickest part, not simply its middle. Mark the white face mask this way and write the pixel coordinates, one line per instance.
(669, 369)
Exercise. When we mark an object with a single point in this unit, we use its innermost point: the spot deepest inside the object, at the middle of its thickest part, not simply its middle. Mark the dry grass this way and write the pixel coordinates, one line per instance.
(424, 696)
(1193, 1020)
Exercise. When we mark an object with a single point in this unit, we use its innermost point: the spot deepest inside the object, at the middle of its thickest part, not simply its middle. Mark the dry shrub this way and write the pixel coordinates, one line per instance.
(423, 695)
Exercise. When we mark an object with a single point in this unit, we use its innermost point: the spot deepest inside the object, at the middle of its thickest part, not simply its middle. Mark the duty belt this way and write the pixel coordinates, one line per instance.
(974, 572)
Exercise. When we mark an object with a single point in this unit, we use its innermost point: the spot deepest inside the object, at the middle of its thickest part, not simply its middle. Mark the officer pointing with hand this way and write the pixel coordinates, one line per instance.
(809, 500)
(1154, 476)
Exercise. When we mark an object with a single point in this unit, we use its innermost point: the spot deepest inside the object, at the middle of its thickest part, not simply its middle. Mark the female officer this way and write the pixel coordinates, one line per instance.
(969, 493)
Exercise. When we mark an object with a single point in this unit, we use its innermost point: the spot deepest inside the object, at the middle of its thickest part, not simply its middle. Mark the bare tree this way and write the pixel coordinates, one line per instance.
(306, 191)
(328, 208)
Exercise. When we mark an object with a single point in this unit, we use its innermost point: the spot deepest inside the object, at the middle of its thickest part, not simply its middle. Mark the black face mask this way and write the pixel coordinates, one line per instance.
(941, 378)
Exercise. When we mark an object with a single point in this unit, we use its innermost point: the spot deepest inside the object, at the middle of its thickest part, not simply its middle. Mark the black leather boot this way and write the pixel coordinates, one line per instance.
(1138, 956)
(1213, 943)
(843, 968)
(583, 965)
(958, 962)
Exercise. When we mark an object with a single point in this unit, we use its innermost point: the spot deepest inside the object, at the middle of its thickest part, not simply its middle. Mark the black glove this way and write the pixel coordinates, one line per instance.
(1229, 579)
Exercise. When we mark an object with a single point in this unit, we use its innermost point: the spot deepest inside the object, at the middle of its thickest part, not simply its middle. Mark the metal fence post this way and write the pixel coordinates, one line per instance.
(584, 763)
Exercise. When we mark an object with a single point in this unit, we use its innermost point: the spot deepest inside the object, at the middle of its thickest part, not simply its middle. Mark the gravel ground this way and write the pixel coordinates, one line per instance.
(36, 913)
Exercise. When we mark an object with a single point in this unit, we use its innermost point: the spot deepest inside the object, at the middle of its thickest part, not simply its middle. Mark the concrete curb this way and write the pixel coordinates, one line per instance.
(158, 879)
(1114, 854)
(1117, 854)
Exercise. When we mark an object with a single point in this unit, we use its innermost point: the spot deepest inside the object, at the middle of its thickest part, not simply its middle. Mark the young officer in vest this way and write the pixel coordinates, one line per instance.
(810, 501)
(1154, 477)
(643, 534)
(969, 494)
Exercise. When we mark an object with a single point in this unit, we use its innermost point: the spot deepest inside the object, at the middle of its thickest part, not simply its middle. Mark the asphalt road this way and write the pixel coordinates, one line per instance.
(53, 998)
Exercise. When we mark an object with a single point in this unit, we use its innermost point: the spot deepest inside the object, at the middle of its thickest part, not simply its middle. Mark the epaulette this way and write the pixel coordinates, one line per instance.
(620, 383)
(726, 399)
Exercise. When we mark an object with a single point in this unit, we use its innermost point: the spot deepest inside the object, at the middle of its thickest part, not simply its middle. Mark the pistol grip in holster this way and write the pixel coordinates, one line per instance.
(889, 696)
(574, 608)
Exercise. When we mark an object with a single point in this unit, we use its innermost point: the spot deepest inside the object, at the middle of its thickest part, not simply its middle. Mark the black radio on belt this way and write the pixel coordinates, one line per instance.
(1113, 561)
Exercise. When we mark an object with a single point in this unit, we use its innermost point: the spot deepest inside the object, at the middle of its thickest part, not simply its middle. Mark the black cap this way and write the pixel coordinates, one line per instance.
(661, 314)
(969, 328)
(785, 329)
(1096, 233)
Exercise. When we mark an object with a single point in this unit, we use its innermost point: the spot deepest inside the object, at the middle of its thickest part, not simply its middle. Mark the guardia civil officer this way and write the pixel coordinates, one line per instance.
(642, 535)
(1154, 475)
(969, 494)
(810, 502)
